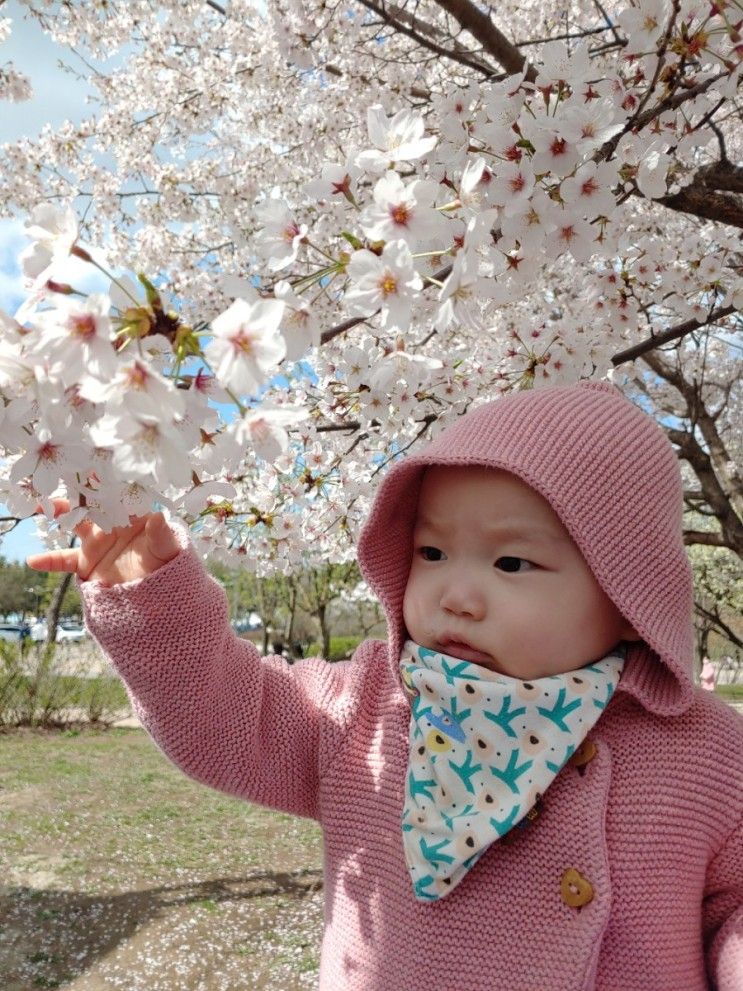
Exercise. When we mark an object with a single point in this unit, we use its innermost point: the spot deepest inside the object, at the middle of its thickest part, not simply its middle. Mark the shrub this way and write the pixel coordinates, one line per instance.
(49, 685)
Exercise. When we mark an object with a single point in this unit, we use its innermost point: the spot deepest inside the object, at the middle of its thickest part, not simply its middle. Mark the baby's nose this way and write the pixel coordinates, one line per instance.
(464, 598)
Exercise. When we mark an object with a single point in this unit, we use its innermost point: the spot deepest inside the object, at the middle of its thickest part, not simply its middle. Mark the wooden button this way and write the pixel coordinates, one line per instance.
(575, 890)
(584, 754)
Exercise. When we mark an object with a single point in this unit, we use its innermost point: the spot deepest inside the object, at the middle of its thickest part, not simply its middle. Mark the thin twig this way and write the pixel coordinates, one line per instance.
(672, 334)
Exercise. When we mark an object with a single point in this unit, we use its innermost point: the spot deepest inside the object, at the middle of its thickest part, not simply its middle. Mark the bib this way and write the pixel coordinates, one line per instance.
(483, 749)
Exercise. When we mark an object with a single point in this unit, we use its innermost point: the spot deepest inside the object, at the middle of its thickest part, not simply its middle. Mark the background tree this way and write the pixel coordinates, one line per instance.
(319, 588)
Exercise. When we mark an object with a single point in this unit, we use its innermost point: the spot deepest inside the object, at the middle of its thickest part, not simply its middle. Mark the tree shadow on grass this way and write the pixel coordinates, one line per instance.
(49, 937)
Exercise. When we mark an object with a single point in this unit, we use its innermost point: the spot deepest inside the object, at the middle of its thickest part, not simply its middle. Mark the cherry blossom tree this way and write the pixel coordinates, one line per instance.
(15, 86)
(352, 220)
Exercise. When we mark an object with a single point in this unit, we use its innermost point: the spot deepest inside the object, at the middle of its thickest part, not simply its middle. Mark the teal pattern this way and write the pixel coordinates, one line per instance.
(483, 749)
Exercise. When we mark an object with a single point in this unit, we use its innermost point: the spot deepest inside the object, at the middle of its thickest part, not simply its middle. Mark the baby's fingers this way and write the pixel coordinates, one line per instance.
(65, 560)
(162, 542)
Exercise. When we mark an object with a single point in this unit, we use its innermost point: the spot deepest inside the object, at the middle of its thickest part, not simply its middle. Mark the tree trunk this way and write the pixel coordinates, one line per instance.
(289, 638)
(322, 618)
(55, 607)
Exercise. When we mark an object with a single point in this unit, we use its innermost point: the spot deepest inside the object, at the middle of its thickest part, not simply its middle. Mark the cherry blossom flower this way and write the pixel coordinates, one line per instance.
(554, 140)
(563, 65)
(592, 123)
(264, 429)
(299, 325)
(500, 141)
(47, 457)
(110, 503)
(396, 139)
(137, 387)
(335, 182)
(459, 296)
(651, 175)
(474, 186)
(385, 283)
(54, 232)
(15, 86)
(405, 366)
(356, 366)
(571, 233)
(401, 211)
(643, 24)
(589, 190)
(453, 110)
(145, 447)
(246, 344)
(512, 185)
(281, 236)
(520, 266)
(504, 100)
(76, 339)
(207, 493)
(531, 226)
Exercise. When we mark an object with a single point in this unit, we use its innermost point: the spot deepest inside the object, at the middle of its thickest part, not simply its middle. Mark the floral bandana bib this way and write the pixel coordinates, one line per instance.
(484, 748)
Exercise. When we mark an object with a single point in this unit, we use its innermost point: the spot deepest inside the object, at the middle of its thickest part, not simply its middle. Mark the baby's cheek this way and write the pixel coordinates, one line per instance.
(411, 613)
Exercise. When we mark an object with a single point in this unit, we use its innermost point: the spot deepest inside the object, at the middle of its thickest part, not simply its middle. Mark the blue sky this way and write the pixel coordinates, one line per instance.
(57, 97)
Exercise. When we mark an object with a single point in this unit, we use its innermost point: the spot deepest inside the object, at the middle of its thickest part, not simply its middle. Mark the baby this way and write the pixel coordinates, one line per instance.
(521, 790)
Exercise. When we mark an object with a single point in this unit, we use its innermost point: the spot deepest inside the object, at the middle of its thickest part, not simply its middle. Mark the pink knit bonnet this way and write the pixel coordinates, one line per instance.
(612, 477)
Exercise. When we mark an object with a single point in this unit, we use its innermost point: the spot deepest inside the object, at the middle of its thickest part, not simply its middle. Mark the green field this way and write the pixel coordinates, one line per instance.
(733, 693)
(120, 872)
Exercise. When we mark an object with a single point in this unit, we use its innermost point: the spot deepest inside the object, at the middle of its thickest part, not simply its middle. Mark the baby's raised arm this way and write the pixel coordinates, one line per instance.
(251, 726)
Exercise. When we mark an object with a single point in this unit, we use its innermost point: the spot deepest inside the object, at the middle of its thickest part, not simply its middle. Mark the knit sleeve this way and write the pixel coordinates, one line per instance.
(723, 915)
(258, 728)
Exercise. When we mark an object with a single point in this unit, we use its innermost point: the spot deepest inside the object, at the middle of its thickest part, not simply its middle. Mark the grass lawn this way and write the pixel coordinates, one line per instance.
(733, 693)
(120, 872)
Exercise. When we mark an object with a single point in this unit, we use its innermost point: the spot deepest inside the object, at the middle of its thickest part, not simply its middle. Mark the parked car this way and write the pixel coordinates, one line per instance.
(66, 631)
(244, 624)
(38, 631)
(14, 631)
(71, 631)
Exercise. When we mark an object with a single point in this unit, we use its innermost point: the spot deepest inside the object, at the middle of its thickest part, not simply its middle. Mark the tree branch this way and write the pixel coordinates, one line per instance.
(670, 103)
(706, 537)
(672, 334)
(702, 202)
(423, 33)
(721, 175)
(714, 617)
(495, 43)
(700, 417)
(700, 199)
(691, 450)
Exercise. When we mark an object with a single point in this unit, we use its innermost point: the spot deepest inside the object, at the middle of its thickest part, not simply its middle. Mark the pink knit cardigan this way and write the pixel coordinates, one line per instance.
(653, 822)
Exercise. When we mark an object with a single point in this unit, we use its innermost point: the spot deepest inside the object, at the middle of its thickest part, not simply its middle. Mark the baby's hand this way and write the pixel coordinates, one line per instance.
(126, 553)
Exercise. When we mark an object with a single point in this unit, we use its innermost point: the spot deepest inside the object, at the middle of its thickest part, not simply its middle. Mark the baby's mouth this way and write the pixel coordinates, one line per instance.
(463, 650)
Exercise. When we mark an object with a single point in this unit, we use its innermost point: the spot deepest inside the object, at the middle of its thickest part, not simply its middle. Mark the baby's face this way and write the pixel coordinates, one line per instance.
(496, 579)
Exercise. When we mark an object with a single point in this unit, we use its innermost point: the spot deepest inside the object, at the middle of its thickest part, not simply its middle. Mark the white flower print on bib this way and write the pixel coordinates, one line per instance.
(484, 748)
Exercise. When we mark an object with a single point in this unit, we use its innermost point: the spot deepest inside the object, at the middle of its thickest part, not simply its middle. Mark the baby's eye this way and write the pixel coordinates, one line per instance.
(431, 553)
(513, 564)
